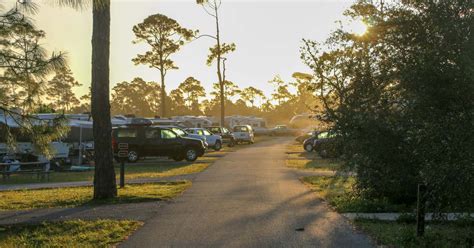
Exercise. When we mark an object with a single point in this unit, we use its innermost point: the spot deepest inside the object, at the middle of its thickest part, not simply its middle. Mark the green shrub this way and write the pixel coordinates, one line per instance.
(401, 98)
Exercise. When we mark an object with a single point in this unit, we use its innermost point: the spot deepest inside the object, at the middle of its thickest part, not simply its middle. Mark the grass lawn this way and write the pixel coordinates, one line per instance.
(437, 234)
(298, 158)
(76, 233)
(338, 192)
(132, 171)
(150, 168)
(77, 196)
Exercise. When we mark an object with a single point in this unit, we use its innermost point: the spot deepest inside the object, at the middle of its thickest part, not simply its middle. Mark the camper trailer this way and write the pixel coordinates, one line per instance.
(23, 145)
(193, 121)
(236, 120)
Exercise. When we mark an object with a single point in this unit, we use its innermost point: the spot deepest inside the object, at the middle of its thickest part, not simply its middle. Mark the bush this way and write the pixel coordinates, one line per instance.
(401, 97)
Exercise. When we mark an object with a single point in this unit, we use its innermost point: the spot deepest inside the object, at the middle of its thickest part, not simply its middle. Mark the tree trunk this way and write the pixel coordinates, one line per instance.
(219, 74)
(104, 177)
(163, 94)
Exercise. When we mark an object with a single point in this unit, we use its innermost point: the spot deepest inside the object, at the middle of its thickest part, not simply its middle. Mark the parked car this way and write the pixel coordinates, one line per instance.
(213, 140)
(258, 131)
(227, 137)
(327, 145)
(301, 138)
(282, 130)
(144, 141)
(184, 133)
(244, 133)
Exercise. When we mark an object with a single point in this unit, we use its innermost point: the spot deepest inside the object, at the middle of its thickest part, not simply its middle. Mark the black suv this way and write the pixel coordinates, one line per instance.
(227, 137)
(153, 141)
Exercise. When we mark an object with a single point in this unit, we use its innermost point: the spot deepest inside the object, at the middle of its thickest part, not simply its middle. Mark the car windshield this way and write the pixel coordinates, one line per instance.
(241, 129)
(179, 132)
(215, 130)
(207, 132)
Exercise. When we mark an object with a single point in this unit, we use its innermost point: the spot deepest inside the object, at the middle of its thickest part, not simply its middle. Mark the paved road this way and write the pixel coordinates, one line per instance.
(248, 199)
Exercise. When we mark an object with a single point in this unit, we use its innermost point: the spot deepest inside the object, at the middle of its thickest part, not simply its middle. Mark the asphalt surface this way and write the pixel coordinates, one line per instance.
(248, 199)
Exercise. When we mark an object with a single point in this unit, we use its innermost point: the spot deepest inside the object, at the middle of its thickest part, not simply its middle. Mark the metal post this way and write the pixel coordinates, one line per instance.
(122, 173)
(80, 146)
(420, 210)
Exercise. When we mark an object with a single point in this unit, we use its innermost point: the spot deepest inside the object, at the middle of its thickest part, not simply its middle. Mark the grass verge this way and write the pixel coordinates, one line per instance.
(150, 168)
(437, 234)
(77, 196)
(76, 233)
(300, 159)
(339, 193)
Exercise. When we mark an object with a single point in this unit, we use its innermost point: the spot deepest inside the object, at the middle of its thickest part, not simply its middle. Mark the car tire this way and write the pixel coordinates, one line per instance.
(133, 156)
(191, 155)
(309, 147)
(232, 143)
(218, 146)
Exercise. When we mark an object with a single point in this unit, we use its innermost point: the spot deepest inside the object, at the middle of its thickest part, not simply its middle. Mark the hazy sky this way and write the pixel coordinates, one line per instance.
(267, 34)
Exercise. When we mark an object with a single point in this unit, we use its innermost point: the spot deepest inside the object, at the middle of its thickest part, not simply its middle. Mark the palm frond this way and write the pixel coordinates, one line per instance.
(27, 7)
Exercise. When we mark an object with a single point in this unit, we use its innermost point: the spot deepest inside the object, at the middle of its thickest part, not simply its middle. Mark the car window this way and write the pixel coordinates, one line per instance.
(127, 133)
(179, 132)
(225, 130)
(168, 134)
(152, 133)
(199, 132)
(207, 132)
(323, 135)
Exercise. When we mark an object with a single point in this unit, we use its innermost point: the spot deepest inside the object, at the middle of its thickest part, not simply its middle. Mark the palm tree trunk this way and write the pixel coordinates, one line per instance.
(104, 177)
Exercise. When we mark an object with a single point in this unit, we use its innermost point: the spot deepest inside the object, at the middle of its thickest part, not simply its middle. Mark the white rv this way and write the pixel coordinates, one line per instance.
(193, 121)
(23, 144)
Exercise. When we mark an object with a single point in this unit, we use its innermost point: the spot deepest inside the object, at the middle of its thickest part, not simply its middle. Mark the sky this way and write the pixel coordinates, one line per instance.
(267, 34)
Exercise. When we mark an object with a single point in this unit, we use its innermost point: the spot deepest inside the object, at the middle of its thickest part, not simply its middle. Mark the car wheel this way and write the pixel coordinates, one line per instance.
(308, 147)
(191, 155)
(133, 156)
(218, 146)
(231, 143)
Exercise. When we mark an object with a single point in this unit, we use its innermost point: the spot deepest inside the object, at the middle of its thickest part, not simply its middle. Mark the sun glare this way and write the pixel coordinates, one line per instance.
(359, 28)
